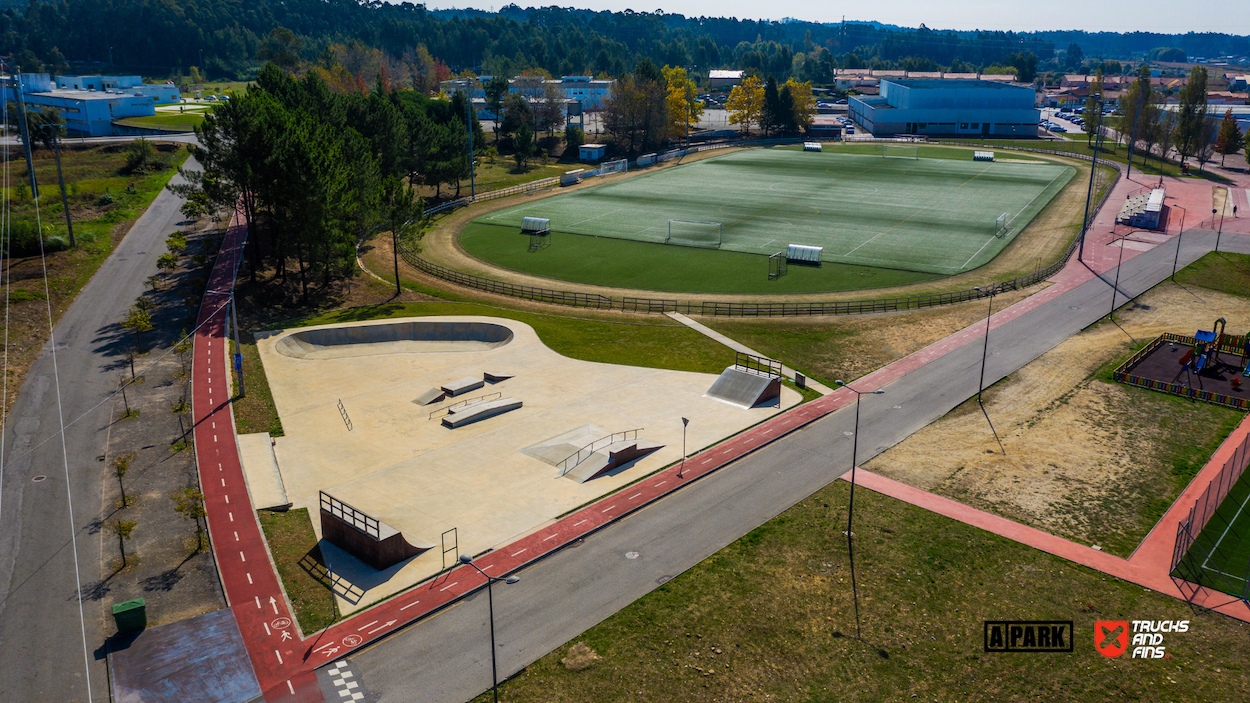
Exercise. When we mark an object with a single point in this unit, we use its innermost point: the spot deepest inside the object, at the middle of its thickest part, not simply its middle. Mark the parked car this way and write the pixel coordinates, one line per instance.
(1057, 128)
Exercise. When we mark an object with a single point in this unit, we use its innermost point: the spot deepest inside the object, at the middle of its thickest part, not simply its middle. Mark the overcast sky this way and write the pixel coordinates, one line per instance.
(1165, 16)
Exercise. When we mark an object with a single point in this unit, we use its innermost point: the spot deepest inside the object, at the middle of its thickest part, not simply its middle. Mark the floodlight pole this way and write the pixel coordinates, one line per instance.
(468, 123)
(1136, 118)
(985, 348)
(1179, 235)
(1089, 195)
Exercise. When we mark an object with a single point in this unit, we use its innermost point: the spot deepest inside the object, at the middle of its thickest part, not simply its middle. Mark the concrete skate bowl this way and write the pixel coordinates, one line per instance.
(393, 338)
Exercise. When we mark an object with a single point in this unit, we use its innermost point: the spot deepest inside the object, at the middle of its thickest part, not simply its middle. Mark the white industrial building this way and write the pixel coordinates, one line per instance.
(87, 112)
(591, 92)
(947, 108)
(161, 93)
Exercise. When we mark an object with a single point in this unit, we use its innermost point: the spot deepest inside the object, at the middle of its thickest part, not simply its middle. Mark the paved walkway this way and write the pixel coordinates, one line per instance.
(740, 347)
(284, 663)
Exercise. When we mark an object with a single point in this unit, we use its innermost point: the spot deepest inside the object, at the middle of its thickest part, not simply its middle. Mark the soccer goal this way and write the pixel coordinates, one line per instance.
(694, 233)
(614, 167)
(1001, 226)
(777, 265)
(897, 151)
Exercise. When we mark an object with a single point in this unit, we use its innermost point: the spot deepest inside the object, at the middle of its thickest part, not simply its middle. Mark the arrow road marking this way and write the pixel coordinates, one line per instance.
(388, 624)
(369, 625)
(274, 602)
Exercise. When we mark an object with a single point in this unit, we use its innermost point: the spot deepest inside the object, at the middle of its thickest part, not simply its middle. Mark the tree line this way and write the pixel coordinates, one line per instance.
(1151, 124)
(230, 39)
(314, 170)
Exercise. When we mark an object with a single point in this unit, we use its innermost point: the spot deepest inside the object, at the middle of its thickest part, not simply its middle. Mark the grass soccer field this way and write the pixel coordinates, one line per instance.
(927, 215)
(1220, 556)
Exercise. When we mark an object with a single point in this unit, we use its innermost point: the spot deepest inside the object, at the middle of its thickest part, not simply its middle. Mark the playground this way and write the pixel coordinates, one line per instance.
(1210, 365)
(463, 433)
(1127, 451)
(918, 217)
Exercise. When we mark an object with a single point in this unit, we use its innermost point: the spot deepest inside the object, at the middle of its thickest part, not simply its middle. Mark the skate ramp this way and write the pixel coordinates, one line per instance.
(744, 388)
(364, 536)
(613, 456)
(393, 338)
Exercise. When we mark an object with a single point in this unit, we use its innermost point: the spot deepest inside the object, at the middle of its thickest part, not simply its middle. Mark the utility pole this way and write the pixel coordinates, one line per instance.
(60, 176)
(238, 348)
(21, 123)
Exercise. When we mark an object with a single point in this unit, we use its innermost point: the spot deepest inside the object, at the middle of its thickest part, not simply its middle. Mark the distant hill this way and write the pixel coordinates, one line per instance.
(161, 38)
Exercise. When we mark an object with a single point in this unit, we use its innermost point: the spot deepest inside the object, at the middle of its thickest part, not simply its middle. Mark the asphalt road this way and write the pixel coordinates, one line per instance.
(446, 658)
(41, 633)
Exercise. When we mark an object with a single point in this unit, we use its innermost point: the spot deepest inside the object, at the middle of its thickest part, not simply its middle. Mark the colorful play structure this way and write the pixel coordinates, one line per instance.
(1212, 365)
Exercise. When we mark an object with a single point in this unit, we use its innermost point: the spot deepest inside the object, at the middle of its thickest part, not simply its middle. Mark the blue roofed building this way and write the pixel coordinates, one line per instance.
(934, 107)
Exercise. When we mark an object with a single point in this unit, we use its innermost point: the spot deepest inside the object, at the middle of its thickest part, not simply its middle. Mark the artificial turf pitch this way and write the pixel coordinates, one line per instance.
(922, 216)
(1220, 556)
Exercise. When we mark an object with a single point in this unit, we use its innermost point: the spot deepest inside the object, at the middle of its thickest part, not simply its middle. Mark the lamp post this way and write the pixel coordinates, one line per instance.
(850, 516)
(990, 292)
(1115, 287)
(490, 599)
(684, 423)
(1179, 235)
(1221, 230)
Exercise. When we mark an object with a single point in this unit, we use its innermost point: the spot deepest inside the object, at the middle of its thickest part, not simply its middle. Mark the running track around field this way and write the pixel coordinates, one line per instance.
(284, 662)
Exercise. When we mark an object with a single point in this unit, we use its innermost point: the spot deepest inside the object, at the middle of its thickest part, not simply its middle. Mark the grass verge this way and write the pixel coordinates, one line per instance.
(1222, 271)
(178, 121)
(254, 412)
(293, 545)
(656, 345)
(771, 617)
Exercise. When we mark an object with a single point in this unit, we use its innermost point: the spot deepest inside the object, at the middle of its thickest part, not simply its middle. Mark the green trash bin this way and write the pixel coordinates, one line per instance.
(130, 616)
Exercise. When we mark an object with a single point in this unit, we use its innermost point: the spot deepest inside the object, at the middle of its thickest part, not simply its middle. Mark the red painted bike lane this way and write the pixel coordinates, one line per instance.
(284, 662)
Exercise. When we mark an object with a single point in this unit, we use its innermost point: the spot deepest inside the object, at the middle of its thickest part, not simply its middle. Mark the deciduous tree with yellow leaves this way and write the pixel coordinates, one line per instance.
(746, 103)
(684, 108)
(804, 102)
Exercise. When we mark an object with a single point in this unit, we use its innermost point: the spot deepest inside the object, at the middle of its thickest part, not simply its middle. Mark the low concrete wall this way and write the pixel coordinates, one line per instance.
(393, 337)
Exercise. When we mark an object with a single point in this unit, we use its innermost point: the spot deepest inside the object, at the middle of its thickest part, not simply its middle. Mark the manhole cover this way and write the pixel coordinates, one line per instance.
(663, 580)
(39, 478)
(631, 555)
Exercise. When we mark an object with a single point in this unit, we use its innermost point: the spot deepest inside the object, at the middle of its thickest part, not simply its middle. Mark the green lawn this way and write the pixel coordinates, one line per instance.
(183, 122)
(771, 618)
(1222, 271)
(297, 557)
(931, 215)
(1109, 151)
(624, 263)
(652, 343)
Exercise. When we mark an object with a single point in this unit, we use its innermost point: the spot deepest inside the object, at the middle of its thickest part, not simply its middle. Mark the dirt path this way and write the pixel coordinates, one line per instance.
(1088, 459)
(1041, 242)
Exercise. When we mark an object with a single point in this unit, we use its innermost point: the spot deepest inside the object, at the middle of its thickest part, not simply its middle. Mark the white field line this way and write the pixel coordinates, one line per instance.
(1226, 529)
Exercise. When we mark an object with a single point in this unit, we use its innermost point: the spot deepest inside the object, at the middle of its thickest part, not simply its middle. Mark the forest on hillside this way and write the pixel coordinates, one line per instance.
(231, 39)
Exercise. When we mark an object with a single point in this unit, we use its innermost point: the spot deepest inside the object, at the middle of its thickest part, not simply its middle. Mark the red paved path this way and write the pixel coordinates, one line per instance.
(284, 662)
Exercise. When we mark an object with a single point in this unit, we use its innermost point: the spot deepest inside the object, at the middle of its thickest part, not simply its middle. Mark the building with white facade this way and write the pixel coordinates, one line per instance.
(88, 112)
(948, 108)
(592, 93)
(161, 93)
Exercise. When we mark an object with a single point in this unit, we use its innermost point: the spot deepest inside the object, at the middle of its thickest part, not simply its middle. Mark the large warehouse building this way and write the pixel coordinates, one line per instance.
(947, 108)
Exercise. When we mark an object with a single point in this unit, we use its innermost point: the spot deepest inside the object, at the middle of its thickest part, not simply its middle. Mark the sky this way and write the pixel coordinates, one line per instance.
(1164, 16)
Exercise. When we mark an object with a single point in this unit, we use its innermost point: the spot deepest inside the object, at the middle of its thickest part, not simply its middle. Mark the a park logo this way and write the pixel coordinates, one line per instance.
(1111, 637)
(1028, 635)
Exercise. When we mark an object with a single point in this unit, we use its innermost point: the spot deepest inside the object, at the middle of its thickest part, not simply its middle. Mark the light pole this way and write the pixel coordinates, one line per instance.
(1115, 287)
(684, 423)
(850, 516)
(985, 348)
(1221, 230)
(490, 599)
(1089, 196)
(1179, 235)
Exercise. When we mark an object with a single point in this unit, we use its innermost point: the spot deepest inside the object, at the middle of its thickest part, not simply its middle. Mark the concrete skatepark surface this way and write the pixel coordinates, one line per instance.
(408, 470)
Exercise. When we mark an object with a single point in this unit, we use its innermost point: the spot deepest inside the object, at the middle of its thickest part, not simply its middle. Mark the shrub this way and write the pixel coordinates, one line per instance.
(24, 240)
(55, 243)
(106, 199)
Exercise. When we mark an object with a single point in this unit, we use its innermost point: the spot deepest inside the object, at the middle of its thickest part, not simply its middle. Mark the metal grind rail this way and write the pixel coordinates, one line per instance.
(467, 401)
(580, 455)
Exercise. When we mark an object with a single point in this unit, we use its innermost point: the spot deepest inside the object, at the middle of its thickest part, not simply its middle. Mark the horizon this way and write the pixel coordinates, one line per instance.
(1158, 16)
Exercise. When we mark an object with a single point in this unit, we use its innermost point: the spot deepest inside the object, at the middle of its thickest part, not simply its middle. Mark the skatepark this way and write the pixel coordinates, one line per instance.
(467, 432)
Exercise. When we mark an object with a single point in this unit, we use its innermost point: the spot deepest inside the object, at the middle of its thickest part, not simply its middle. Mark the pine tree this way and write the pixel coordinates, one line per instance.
(1229, 139)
